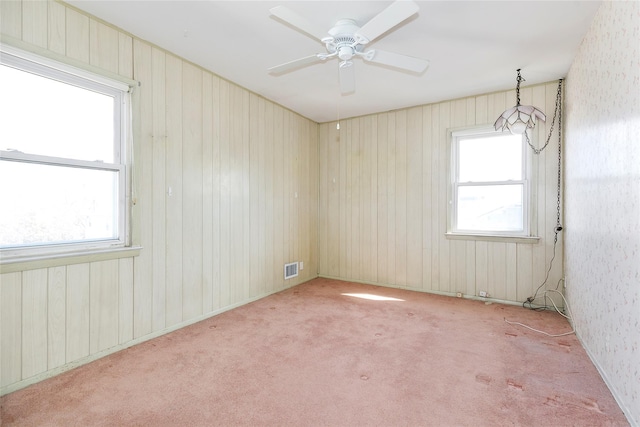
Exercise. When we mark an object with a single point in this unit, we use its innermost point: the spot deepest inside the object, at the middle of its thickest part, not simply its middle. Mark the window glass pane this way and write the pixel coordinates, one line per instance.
(490, 158)
(47, 117)
(490, 208)
(50, 204)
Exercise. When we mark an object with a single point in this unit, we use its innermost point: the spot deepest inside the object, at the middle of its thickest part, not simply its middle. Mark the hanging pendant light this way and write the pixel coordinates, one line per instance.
(519, 118)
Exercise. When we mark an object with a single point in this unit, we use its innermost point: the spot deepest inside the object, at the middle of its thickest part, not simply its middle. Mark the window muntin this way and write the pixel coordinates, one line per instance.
(489, 184)
(62, 151)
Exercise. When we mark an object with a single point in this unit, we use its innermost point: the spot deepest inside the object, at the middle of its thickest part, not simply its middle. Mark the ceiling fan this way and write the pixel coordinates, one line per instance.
(346, 40)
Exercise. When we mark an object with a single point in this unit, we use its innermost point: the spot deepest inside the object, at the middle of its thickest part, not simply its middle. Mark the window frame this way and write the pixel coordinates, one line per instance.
(453, 232)
(122, 147)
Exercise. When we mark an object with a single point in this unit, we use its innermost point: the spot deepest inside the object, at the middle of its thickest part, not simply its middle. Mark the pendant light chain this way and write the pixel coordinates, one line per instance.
(553, 121)
(558, 108)
(557, 114)
(519, 79)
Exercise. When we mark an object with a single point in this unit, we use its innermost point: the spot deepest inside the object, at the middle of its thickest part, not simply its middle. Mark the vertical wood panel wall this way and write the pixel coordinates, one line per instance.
(383, 202)
(225, 190)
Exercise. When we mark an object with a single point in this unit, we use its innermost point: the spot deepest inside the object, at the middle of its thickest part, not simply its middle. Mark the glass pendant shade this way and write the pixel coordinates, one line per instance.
(519, 118)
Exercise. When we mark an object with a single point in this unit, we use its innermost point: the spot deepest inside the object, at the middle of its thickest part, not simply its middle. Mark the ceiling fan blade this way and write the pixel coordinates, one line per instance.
(292, 65)
(347, 77)
(397, 60)
(301, 23)
(394, 14)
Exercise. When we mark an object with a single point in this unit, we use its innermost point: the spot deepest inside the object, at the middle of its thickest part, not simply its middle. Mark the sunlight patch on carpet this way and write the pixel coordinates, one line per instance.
(373, 297)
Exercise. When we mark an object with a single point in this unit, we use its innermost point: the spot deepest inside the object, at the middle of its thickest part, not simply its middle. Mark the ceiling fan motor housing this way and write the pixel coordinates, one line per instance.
(346, 39)
(343, 41)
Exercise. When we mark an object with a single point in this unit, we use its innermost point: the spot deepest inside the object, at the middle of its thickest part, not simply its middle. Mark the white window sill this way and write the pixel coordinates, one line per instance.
(12, 265)
(493, 238)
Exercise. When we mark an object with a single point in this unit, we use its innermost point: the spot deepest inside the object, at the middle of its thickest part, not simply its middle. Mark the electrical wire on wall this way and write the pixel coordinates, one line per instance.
(567, 316)
(548, 302)
(557, 115)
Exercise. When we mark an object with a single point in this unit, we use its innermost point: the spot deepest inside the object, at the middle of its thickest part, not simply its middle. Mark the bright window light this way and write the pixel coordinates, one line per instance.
(53, 118)
(489, 183)
(62, 158)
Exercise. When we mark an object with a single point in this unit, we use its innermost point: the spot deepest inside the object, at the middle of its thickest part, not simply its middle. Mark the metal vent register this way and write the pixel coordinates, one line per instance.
(290, 270)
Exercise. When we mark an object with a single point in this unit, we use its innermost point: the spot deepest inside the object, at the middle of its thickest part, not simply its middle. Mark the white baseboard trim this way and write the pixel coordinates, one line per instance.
(409, 288)
(625, 410)
(92, 357)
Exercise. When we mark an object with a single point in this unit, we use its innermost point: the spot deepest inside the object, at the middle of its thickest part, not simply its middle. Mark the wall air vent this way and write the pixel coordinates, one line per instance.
(290, 270)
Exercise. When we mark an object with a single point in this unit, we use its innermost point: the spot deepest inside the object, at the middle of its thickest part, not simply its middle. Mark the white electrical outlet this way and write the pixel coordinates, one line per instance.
(301, 265)
(483, 294)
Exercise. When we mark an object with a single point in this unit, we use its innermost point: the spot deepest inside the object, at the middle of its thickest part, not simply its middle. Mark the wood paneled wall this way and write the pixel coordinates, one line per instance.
(383, 202)
(225, 192)
(225, 186)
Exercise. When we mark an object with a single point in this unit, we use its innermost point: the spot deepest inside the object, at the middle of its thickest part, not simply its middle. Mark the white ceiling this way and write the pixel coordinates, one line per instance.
(474, 47)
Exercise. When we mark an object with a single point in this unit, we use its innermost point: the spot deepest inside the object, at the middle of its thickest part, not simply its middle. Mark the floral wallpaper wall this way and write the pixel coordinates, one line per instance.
(602, 198)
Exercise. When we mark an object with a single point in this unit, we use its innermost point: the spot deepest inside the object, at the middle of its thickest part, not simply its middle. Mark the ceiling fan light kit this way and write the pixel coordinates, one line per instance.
(519, 118)
(346, 40)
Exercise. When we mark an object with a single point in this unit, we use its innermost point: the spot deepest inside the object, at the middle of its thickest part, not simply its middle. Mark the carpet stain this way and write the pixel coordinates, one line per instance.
(565, 345)
(514, 385)
(560, 345)
(591, 404)
(553, 401)
(583, 403)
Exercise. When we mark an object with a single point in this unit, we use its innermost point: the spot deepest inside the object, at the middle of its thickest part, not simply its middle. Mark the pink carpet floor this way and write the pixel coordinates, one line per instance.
(314, 356)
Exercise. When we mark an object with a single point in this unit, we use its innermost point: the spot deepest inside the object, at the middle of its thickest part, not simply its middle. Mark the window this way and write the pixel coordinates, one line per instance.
(490, 189)
(63, 157)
